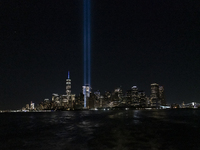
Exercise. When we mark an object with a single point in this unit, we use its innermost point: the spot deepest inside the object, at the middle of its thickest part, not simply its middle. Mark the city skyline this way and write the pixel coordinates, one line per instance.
(132, 43)
(132, 98)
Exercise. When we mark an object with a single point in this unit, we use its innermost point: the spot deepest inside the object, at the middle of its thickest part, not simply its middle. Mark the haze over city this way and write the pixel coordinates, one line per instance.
(133, 43)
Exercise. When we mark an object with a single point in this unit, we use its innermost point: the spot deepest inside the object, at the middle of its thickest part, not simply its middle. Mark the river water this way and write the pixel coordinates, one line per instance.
(96, 130)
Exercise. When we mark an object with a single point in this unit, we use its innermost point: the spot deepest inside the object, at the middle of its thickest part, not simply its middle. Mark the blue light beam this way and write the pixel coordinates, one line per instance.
(87, 47)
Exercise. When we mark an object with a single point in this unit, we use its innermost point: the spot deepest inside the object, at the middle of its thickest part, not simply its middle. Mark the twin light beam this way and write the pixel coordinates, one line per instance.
(87, 49)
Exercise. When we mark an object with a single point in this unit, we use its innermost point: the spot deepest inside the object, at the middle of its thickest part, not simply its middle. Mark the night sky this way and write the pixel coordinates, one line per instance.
(133, 42)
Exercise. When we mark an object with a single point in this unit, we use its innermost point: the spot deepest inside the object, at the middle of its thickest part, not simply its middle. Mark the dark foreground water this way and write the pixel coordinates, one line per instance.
(97, 130)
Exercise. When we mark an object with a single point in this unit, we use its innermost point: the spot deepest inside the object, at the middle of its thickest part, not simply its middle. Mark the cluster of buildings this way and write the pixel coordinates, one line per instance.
(91, 100)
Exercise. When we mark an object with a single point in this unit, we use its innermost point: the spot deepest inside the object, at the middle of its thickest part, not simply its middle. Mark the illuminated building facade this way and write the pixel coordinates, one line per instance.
(142, 99)
(55, 97)
(97, 94)
(32, 106)
(27, 106)
(134, 96)
(91, 101)
(64, 99)
(117, 95)
(46, 100)
(107, 96)
(68, 87)
(128, 97)
(161, 95)
(86, 93)
(155, 97)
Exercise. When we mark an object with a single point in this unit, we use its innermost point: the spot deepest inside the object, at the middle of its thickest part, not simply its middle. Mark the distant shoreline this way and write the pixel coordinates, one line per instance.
(101, 109)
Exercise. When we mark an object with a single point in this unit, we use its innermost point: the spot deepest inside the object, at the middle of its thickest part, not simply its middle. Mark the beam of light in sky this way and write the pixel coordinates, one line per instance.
(87, 63)
(89, 58)
(68, 75)
(85, 50)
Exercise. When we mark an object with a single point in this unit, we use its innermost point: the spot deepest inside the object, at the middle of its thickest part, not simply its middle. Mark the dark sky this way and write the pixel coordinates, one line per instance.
(133, 42)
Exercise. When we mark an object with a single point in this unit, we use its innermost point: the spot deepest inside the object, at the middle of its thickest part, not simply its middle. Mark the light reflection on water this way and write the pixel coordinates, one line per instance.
(141, 129)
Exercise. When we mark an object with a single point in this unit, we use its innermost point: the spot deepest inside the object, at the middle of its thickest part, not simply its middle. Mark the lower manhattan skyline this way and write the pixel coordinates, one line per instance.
(133, 43)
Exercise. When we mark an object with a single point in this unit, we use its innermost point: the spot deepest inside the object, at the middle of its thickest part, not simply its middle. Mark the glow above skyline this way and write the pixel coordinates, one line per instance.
(87, 65)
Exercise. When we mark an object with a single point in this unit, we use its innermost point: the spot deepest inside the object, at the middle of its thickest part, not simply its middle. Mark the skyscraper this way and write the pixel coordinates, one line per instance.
(86, 93)
(68, 87)
(155, 98)
(161, 95)
(135, 96)
(142, 99)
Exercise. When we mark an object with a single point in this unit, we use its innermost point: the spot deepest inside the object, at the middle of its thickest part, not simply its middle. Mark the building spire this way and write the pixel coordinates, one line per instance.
(68, 75)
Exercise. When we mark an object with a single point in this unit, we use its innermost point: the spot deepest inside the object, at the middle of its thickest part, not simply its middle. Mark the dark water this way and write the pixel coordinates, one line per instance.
(117, 130)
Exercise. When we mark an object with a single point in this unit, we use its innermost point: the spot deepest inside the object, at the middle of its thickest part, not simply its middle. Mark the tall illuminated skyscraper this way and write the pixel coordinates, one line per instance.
(155, 97)
(86, 93)
(161, 95)
(87, 65)
(134, 96)
(68, 87)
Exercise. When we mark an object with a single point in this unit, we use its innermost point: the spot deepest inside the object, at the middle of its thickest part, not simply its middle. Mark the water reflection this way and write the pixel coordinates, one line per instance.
(130, 129)
(158, 114)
